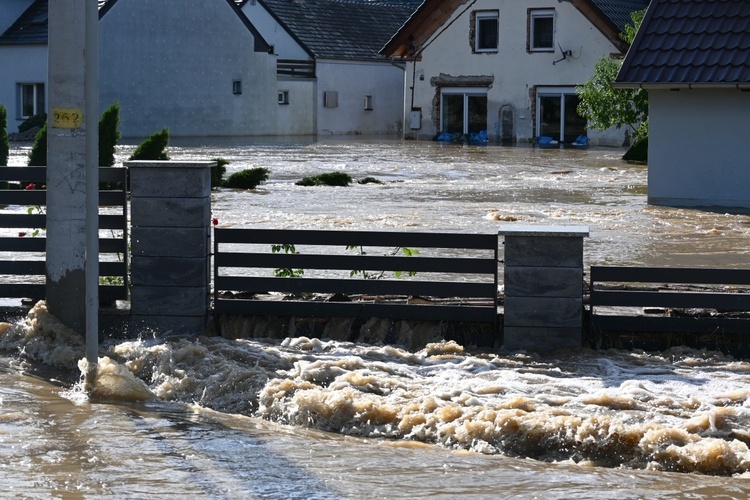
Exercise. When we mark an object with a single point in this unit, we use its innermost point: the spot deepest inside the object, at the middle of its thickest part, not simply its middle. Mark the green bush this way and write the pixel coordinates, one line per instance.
(4, 143)
(109, 135)
(638, 152)
(34, 121)
(153, 148)
(38, 153)
(247, 179)
(217, 173)
(329, 179)
(370, 180)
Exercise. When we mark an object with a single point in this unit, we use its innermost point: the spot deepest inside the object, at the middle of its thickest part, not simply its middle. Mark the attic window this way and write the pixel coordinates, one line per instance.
(541, 29)
(486, 31)
(237, 87)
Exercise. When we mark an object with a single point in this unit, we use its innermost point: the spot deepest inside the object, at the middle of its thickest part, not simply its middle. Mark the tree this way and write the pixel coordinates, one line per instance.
(109, 135)
(604, 106)
(4, 143)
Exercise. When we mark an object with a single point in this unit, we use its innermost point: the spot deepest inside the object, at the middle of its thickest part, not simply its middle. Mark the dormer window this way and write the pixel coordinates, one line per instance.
(486, 31)
(541, 30)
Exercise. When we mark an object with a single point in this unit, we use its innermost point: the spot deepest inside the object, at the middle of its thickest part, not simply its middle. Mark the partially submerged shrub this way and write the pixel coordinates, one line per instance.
(109, 135)
(153, 148)
(38, 153)
(370, 180)
(328, 179)
(217, 172)
(248, 178)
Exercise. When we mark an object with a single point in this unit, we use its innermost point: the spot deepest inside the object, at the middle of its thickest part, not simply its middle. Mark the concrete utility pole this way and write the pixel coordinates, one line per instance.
(73, 168)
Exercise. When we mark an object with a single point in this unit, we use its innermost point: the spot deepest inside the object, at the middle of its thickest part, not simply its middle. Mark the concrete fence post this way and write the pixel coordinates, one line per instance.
(170, 231)
(543, 282)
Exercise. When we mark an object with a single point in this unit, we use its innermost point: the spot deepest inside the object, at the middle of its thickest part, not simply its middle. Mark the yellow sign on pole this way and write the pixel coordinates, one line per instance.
(67, 117)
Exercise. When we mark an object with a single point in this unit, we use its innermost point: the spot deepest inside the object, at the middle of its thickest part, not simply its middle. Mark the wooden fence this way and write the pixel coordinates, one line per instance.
(246, 261)
(669, 300)
(23, 242)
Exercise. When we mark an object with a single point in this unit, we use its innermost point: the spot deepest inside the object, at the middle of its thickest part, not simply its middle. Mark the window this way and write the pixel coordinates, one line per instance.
(486, 31)
(464, 110)
(283, 97)
(557, 114)
(31, 99)
(368, 102)
(331, 99)
(542, 30)
(237, 87)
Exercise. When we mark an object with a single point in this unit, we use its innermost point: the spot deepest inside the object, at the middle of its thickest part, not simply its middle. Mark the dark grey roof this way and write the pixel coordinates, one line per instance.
(618, 11)
(354, 30)
(690, 42)
(30, 27)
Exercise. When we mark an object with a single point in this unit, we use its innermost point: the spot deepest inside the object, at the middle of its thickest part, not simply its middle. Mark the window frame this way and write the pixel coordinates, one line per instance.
(481, 16)
(535, 15)
(282, 97)
(38, 99)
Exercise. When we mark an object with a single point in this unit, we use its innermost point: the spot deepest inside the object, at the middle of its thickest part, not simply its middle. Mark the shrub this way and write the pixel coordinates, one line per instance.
(32, 122)
(38, 153)
(109, 135)
(4, 143)
(217, 173)
(370, 180)
(153, 148)
(638, 152)
(248, 178)
(329, 179)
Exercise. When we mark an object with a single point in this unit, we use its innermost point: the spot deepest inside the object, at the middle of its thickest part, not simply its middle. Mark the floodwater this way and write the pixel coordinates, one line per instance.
(316, 418)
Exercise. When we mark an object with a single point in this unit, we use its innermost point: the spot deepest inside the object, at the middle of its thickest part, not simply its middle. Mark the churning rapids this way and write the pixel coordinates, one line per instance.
(319, 418)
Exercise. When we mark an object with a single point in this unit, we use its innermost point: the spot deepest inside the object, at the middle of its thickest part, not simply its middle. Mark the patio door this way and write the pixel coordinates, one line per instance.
(557, 114)
(463, 110)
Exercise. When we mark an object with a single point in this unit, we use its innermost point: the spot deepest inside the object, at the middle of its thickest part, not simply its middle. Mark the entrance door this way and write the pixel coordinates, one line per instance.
(557, 115)
(463, 111)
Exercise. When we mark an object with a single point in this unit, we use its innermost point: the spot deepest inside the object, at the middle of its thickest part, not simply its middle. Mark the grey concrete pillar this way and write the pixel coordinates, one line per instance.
(170, 230)
(72, 155)
(543, 281)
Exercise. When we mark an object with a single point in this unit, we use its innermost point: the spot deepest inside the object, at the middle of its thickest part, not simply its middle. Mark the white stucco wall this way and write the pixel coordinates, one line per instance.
(297, 117)
(697, 152)
(29, 65)
(516, 72)
(353, 80)
(174, 67)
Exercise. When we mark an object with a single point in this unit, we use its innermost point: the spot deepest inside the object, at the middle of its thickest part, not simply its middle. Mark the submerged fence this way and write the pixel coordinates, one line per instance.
(23, 243)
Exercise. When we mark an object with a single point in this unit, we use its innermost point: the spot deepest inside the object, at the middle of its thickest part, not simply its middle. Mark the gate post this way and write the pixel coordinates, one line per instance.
(543, 282)
(170, 232)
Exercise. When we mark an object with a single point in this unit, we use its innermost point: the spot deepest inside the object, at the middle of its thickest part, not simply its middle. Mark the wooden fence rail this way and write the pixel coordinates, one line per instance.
(22, 251)
(670, 300)
(244, 266)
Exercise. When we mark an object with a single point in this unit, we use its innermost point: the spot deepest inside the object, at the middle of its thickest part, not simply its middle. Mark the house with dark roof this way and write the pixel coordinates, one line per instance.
(331, 77)
(23, 59)
(506, 70)
(693, 56)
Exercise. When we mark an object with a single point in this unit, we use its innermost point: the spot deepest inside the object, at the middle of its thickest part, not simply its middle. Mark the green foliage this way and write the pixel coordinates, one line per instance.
(286, 272)
(328, 179)
(638, 152)
(604, 106)
(248, 178)
(370, 180)
(409, 252)
(153, 148)
(109, 135)
(38, 153)
(4, 143)
(33, 121)
(217, 173)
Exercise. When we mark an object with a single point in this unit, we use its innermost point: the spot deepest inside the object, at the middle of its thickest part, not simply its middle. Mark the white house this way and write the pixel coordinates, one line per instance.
(693, 56)
(506, 68)
(198, 67)
(331, 78)
(23, 59)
